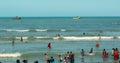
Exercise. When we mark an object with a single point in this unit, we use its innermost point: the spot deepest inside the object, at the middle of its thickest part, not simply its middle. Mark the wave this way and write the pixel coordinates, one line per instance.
(51, 30)
(62, 38)
(10, 54)
(11, 30)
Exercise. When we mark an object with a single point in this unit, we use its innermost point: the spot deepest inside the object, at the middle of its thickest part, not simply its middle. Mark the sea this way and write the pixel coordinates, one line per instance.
(75, 35)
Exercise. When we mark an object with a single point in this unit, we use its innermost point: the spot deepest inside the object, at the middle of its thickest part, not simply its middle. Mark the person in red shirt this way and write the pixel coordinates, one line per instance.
(97, 44)
(105, 54)
(116, 54)
(49, 45)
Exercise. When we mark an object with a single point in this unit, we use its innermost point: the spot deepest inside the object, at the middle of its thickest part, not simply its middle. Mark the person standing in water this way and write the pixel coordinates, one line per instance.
(91, 50)
(97, 44)
(13, 42)
(21, 39)
(49, 45)
(82, 53)
(105, 54)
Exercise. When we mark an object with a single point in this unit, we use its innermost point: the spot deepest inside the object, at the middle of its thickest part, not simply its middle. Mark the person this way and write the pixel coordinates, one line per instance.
(82, 53)
(58, 35)
(71, 56)
(116, 54)
(17, 61)
(65, 60)
(84, 33)
(47, 58)
(105, 54)
(52, 60)
(49, 45)
(91, 50)
(35, 61)
(25, 61)
(113, 51)
(68, 57)
(13, 42)
(60, 58)
(97, 44)
(21, 39)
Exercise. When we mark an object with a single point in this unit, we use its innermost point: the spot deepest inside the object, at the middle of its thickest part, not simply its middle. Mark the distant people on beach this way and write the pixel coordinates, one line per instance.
(49, 46)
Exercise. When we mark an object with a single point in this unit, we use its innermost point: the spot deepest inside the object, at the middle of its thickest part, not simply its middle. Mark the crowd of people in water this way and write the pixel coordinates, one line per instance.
(69, 56)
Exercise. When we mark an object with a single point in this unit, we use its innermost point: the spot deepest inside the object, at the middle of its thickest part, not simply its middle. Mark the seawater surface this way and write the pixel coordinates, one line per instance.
(37, 32)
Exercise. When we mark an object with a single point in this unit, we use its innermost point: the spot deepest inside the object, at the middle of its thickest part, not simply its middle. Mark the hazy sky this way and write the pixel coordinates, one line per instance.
(49, 8)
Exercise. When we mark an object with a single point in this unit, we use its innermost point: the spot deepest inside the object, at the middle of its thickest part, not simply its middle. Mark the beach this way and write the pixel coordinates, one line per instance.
(75, 35)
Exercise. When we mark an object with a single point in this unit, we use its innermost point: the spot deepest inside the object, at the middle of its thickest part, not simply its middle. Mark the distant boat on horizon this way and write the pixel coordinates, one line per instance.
(17, 18)
(76, 18)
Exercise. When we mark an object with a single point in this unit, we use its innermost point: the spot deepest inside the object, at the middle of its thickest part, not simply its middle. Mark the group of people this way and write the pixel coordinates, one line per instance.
(49, 60)
(115, 53)
(68, 58)
(25, 61)
(13, 40)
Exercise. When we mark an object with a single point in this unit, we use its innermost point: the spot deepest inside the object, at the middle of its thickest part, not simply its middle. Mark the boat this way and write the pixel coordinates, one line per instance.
(17, 18)
(76, 18)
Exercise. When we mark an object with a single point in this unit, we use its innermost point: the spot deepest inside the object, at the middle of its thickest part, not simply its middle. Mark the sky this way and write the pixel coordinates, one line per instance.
(52, 8)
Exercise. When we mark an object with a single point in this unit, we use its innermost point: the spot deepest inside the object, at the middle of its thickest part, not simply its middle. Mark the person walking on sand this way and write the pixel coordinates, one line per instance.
(49, 45)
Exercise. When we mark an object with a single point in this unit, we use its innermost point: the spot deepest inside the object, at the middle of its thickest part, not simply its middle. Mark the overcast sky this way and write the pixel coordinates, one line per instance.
(38, 8)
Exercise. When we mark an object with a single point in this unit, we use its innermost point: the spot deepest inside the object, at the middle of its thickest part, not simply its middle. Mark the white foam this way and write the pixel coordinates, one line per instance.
(87, 38)
(56, 38)
(41, 37)
(63, 30)
(22, 30)
(81, 38)
(17, 30)
(25, 38)
(39, 30)
(106, 37)
(10, 55)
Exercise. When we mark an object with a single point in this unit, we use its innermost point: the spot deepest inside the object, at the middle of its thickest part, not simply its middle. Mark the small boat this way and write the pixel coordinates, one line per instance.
(76, 18)
(17, 18)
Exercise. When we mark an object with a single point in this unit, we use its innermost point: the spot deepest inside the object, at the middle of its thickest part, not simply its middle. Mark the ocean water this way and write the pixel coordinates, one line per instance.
(37, 32)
